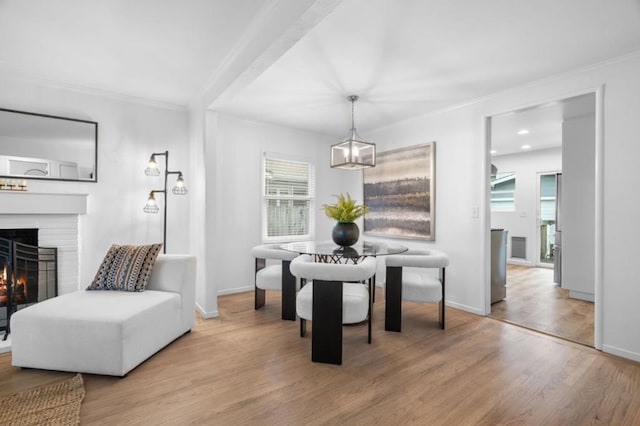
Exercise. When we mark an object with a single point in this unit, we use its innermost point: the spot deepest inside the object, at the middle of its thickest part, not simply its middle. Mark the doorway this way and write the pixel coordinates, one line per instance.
(548, 209)
(528, 143)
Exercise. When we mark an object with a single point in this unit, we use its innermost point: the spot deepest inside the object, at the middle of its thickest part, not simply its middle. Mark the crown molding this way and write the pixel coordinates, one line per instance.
(32, 78)
(562, 75)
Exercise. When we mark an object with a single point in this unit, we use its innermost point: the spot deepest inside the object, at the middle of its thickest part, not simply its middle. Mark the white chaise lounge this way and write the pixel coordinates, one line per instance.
(107, 332)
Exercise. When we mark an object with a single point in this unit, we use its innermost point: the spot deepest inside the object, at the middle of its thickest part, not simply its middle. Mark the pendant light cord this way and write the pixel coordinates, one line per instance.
(353, 99)
(353, 109)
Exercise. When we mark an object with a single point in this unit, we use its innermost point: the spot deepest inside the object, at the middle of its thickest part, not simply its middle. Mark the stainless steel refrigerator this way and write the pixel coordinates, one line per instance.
(498, 264)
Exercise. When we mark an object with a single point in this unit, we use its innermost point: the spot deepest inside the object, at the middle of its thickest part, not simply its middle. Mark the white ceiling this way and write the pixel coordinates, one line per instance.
(543, 124)
(162, 50)
(404, 58)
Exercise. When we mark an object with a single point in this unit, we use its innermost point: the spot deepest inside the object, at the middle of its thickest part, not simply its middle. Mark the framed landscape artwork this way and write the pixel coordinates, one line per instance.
(399, 192)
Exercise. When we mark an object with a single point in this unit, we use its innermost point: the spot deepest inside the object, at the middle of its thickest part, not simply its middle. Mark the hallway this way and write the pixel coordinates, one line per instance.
(534, 301)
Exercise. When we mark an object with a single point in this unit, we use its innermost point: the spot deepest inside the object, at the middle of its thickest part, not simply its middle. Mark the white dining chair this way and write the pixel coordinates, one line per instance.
(409, 278)
(334, 294)
(275, 277)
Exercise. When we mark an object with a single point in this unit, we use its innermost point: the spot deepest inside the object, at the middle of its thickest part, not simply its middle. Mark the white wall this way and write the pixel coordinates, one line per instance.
(458, 174)
(462, 184)
(234, 200)
(578, 199)
(127, 134)
(523, 221)
(206, 298)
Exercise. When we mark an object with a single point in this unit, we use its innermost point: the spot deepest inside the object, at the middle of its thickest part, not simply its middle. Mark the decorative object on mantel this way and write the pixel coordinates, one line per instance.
(13, 185)
(345, 233)
(179, 189)
(400, 193)
(353, 153)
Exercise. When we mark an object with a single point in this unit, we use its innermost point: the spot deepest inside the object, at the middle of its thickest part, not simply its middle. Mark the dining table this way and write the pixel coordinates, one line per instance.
(327, 251)
(327, 299)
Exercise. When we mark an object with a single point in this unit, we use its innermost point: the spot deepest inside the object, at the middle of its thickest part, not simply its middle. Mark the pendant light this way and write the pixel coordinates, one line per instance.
(353, 153)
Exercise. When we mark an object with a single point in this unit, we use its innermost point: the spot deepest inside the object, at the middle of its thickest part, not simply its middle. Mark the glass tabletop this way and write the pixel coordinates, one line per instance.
(329, 248)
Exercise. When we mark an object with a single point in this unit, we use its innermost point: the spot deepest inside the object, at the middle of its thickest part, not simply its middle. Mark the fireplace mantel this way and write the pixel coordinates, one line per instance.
(25, 202)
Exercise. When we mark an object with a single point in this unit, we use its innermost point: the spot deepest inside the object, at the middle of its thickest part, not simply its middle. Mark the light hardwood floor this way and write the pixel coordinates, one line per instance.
(250, 367)
(534, 301)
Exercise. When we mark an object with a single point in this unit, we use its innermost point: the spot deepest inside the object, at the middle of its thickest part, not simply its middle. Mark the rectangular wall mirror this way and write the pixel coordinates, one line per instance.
(40, 146)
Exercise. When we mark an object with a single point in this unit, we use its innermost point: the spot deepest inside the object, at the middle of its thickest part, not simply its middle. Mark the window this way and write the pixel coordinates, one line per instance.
(548, 197)
(288, 191)
(503, 187)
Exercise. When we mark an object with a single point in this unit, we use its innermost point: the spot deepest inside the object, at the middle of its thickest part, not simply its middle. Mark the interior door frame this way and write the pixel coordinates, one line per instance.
(485, 203)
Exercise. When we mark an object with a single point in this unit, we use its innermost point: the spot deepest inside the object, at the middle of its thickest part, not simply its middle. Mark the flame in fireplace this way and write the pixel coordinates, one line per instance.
(18, 290)
(3, 285)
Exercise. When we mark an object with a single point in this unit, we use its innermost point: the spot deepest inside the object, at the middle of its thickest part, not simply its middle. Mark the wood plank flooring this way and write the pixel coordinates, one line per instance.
(249, 367)
(535, 302)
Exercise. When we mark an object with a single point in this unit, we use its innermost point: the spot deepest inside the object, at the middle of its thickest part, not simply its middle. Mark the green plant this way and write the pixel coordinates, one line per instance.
(345, 209)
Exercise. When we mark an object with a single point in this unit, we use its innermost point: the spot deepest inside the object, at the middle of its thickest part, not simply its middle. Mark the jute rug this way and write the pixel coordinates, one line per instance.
(56, 404)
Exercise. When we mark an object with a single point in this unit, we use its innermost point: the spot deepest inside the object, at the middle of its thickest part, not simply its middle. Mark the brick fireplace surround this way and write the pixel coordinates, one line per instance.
(56, 218)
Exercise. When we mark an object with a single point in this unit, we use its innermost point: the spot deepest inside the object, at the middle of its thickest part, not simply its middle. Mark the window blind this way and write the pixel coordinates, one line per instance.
(288, 199)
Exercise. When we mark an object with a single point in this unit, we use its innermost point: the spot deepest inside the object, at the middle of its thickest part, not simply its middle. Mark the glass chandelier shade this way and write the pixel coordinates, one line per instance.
(353, 153)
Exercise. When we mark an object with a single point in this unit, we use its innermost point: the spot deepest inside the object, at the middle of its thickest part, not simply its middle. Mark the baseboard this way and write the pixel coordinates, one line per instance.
(466, 308)
(519, 262)
(5, 345)
(634, 356)
(588, 297)
(235, 290)
(204, 314)
(250, 288)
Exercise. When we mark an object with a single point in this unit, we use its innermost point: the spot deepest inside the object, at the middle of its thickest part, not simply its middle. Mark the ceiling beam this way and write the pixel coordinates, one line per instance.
(275, 29)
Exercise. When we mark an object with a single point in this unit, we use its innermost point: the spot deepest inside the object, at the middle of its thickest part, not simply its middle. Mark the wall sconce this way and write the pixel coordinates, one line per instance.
(179, 189)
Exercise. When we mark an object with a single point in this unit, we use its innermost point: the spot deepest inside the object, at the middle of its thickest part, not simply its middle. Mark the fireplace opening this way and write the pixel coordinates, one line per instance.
(24, 236)
(28, 273)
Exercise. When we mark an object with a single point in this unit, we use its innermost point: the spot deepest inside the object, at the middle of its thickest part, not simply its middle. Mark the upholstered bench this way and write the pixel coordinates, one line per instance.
(107, 332)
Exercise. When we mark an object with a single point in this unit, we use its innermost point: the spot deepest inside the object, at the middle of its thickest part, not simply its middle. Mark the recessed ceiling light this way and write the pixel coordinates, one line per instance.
(523, 132)
(493, 151)
(526, 147)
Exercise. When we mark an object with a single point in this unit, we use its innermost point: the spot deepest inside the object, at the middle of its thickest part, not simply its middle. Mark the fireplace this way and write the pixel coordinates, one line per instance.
(28, 273)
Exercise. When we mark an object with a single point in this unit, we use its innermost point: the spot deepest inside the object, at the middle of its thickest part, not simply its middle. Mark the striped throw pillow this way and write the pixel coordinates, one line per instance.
(126, 268)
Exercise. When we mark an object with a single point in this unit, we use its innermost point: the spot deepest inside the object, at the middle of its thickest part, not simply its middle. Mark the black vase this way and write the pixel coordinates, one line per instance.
(345, 234)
